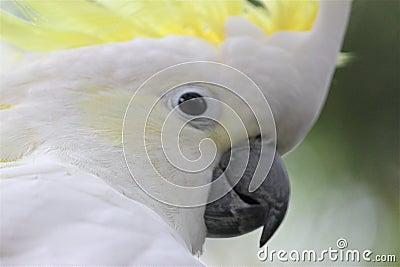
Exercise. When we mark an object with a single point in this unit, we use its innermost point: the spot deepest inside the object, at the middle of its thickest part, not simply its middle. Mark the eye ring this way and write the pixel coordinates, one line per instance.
(194, 102)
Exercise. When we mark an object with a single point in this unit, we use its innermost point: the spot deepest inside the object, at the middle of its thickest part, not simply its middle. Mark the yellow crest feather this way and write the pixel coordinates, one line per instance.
(50, 25)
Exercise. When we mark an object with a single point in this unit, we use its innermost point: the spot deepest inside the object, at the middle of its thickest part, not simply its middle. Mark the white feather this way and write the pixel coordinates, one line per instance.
(53, 213)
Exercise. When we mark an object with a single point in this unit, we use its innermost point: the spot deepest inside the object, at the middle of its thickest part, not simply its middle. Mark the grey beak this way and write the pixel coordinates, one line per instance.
(241, 211)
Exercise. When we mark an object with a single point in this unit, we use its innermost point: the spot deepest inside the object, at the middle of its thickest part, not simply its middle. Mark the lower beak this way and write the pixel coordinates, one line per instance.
(241, 211)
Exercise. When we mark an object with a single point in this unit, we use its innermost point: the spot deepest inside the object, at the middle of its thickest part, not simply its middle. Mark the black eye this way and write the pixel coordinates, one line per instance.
(192, 104)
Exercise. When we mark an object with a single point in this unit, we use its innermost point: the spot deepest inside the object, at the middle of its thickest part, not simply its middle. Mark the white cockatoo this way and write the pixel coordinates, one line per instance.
(90, 122)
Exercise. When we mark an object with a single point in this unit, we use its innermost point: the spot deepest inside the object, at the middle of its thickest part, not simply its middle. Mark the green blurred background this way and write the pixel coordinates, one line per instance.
(345, 174)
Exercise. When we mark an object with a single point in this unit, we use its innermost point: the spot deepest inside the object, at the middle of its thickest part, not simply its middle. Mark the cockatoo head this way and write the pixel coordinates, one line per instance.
(211, 123)
(185, 107)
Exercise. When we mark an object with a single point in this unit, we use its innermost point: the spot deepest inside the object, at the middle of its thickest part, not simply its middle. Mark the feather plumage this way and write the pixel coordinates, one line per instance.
(52, 25)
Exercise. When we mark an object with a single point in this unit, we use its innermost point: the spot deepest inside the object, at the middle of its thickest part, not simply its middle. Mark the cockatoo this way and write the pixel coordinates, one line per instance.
(91, 171)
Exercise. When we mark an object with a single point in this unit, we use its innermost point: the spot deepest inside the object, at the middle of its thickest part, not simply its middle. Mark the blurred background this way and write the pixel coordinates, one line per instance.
(345, 175)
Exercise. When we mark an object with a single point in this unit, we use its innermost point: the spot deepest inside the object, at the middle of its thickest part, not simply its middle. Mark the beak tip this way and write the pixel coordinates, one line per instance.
(273, 220)
(266, 235)
(262, 242)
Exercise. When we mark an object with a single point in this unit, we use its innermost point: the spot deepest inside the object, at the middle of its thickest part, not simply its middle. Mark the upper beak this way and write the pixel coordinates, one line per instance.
(241, 211)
